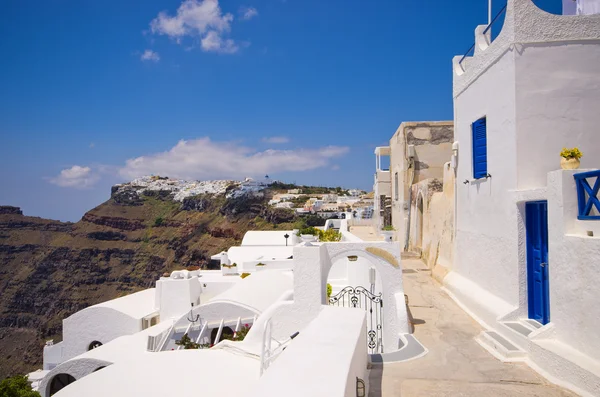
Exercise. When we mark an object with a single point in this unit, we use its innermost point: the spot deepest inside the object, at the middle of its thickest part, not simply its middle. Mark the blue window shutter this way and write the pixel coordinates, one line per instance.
(479, 148)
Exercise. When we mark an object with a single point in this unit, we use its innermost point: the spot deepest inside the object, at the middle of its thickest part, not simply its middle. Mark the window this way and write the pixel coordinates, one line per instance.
(396, 190)
(479, 138)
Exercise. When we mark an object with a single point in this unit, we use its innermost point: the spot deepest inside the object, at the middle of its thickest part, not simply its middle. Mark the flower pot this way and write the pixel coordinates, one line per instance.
(227, 270)
(388, 235)
(308, 238)
(570, 163)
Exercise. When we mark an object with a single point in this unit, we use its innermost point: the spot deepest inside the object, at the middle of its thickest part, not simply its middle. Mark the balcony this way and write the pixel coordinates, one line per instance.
(382, 176)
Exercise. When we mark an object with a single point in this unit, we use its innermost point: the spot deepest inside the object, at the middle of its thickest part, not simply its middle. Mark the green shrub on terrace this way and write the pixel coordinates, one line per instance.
(17, 386)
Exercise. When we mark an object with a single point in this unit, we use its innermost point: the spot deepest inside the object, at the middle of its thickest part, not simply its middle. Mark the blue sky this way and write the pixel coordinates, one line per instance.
(94, 93)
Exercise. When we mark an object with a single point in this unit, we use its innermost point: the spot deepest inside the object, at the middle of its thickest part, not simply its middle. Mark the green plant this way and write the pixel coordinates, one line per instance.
(244, 275)
(329, 235)
(241, 334)
(573, 153)
(229, 266)
(308, 230)
(187, 343)
(329, 290)
(17, 386)
(388, 228)
(159, 221)
(260, 264)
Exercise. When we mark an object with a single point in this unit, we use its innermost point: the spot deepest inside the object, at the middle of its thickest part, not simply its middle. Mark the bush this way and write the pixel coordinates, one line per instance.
(308, 230)
(329, 235)
(315, 220)
(158, 221)
(388, 228)
(187, 343)
(17, 386)
(329, 290)
(241, 334)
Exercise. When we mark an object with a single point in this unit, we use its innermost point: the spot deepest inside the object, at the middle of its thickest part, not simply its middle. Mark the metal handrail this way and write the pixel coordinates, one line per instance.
(494, 20)
(484, 32)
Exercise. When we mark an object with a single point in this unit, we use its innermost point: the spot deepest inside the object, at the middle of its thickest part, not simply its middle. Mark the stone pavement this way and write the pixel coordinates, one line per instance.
(455, 364)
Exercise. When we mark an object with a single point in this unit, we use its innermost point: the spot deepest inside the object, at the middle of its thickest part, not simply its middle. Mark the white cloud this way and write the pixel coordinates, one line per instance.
(198, 18)
(204, 159)
(247, 13)
(150, 55)
(276, 139)
(76, 177)
(214, 42)
(335, 167)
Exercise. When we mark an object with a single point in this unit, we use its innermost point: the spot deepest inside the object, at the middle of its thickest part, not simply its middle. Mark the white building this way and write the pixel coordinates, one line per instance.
(522, 256)
(382, 188)
(286, 204)
(127, 346)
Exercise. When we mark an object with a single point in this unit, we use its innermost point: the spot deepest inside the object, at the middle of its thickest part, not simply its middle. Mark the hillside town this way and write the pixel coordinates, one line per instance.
(470, 269)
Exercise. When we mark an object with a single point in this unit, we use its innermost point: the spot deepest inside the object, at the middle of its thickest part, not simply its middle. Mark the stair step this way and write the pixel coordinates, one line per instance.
(519, 327)
(533, 323)
(500, 346)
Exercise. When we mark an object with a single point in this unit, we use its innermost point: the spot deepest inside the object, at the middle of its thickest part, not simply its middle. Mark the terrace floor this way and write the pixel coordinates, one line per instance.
(455, 364)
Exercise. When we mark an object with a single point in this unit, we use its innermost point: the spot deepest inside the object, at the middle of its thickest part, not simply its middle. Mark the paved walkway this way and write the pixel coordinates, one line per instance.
(455, 365)
(366, 233)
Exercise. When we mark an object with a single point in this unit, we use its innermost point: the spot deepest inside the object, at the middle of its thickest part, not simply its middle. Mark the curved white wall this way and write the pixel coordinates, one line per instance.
(95, 324)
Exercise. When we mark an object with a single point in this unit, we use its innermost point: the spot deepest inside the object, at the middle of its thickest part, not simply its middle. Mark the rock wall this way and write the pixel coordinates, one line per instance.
(432, 227)
(50, 270)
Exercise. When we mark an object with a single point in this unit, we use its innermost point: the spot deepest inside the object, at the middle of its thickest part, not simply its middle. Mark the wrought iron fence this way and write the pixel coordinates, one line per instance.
(361, 298)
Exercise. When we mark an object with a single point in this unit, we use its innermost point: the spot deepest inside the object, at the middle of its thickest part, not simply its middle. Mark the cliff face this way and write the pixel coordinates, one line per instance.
(51, 269)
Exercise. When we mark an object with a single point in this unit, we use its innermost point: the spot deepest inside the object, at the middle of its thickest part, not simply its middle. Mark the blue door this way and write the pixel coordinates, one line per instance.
(536, 218)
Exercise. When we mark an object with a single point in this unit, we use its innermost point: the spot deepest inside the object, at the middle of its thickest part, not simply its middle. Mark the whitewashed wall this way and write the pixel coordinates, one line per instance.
(486, 231)
(95, 324)
(175, 296)
(574, 258)
(557, 105)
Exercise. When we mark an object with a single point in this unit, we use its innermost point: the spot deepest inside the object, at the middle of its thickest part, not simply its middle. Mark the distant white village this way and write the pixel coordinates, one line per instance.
(496, 212)
(356, 201)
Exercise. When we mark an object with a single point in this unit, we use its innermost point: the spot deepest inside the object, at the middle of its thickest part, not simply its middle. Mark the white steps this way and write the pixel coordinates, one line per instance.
(500, 347)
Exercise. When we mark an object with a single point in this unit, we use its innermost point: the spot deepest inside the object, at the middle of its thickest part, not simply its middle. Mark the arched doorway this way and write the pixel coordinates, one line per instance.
(419, 223)
(59, 382)
(95, 344)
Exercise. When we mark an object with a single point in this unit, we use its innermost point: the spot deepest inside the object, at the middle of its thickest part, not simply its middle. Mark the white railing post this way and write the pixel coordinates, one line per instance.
(265, 351)
(237, 327)
(218, 338)
(202, 330)
(165, 338)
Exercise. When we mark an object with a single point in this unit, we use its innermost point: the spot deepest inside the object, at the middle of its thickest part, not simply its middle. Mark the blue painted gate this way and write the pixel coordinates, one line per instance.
(536, 217)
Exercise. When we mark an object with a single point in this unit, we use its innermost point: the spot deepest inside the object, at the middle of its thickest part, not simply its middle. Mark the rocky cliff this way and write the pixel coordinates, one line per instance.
(51, 269)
